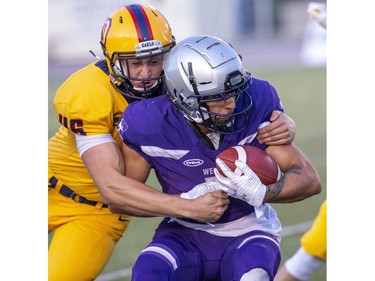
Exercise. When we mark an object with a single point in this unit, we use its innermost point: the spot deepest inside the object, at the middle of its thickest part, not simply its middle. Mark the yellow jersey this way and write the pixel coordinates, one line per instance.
(86, 104)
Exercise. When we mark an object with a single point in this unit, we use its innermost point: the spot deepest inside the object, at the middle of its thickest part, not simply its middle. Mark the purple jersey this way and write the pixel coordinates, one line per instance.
(161, 134)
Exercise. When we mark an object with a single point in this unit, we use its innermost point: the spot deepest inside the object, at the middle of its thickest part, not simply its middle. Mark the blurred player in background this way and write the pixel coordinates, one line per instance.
(312, 253)
(318, 11)
(85, 166)
(213, 103)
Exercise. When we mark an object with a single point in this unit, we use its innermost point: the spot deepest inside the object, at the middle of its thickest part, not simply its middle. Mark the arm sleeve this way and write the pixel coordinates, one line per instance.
(302, 265)
(86, 142)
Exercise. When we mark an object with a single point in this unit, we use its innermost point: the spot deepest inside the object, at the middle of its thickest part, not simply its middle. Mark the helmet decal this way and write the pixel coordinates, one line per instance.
(105, 29)
(141, 22)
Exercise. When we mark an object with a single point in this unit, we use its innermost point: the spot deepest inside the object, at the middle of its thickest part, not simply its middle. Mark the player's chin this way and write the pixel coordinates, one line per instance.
(222, 120)
(143, 87)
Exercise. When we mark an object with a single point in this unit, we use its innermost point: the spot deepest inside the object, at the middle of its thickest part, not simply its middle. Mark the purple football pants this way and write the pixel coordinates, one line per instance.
(179, 253)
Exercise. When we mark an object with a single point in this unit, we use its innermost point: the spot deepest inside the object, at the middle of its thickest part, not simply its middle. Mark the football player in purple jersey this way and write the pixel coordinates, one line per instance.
(213, 103)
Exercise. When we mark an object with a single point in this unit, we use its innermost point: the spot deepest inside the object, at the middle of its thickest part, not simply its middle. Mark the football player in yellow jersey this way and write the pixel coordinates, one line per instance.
(85, 165)
(312, 253)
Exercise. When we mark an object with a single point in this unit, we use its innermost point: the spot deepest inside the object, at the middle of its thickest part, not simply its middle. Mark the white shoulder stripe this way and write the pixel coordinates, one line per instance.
(155, 151)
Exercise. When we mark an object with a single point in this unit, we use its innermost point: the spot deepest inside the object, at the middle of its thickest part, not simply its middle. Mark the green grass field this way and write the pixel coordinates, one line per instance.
(303, 92)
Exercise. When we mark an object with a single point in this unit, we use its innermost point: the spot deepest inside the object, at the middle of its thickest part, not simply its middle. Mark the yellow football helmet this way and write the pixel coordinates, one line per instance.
(131, 32)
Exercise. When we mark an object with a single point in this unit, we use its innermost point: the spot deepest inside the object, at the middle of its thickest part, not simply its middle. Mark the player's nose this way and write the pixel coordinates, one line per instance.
(230, 104)
(146, 71)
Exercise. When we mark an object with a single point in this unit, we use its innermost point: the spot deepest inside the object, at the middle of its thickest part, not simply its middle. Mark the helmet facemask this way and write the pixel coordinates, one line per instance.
(236, 87)
(130, 85)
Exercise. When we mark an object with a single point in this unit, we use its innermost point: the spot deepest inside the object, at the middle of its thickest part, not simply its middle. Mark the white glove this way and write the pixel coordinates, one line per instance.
(203, 188)
(246, 187)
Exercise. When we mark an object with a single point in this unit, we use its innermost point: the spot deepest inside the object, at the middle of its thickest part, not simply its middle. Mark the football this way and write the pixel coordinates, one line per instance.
(257, 159)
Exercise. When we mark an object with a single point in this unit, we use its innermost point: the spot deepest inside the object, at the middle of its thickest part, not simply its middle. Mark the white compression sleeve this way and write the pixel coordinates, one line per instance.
(86, 142)
(302, 265)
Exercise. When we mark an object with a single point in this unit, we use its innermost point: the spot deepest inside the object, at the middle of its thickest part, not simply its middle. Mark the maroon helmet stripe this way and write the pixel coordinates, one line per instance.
(141, 22)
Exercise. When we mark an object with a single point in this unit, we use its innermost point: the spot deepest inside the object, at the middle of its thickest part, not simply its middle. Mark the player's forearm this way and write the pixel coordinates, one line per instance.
(180, 212)
(139, 206)
(131, 197)
(105, 164)
(300, 179)
(137, 199)
(298, 183)
(132, 211)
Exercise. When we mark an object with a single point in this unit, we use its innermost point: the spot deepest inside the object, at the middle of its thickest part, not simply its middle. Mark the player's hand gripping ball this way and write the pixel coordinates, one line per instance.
(257, 159)
(245, 171)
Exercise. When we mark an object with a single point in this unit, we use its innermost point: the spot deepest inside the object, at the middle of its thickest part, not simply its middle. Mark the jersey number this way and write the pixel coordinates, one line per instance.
(75, 125)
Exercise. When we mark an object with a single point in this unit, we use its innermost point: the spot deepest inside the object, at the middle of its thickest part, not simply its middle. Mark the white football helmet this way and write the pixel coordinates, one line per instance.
(202, 69)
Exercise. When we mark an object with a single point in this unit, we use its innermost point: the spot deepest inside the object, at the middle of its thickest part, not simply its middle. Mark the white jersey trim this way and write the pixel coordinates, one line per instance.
(162, 252)
(86, 142)
(268, 223)
(257, 236)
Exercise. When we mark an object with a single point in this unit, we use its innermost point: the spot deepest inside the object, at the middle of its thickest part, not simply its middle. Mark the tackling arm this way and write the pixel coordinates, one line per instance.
(126, 195)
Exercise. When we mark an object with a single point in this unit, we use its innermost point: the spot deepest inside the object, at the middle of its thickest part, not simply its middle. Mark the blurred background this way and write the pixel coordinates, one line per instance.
(268, 33)
(278, 42)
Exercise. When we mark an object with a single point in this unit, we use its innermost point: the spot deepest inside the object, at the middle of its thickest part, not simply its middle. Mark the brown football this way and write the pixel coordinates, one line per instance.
(257, 159)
